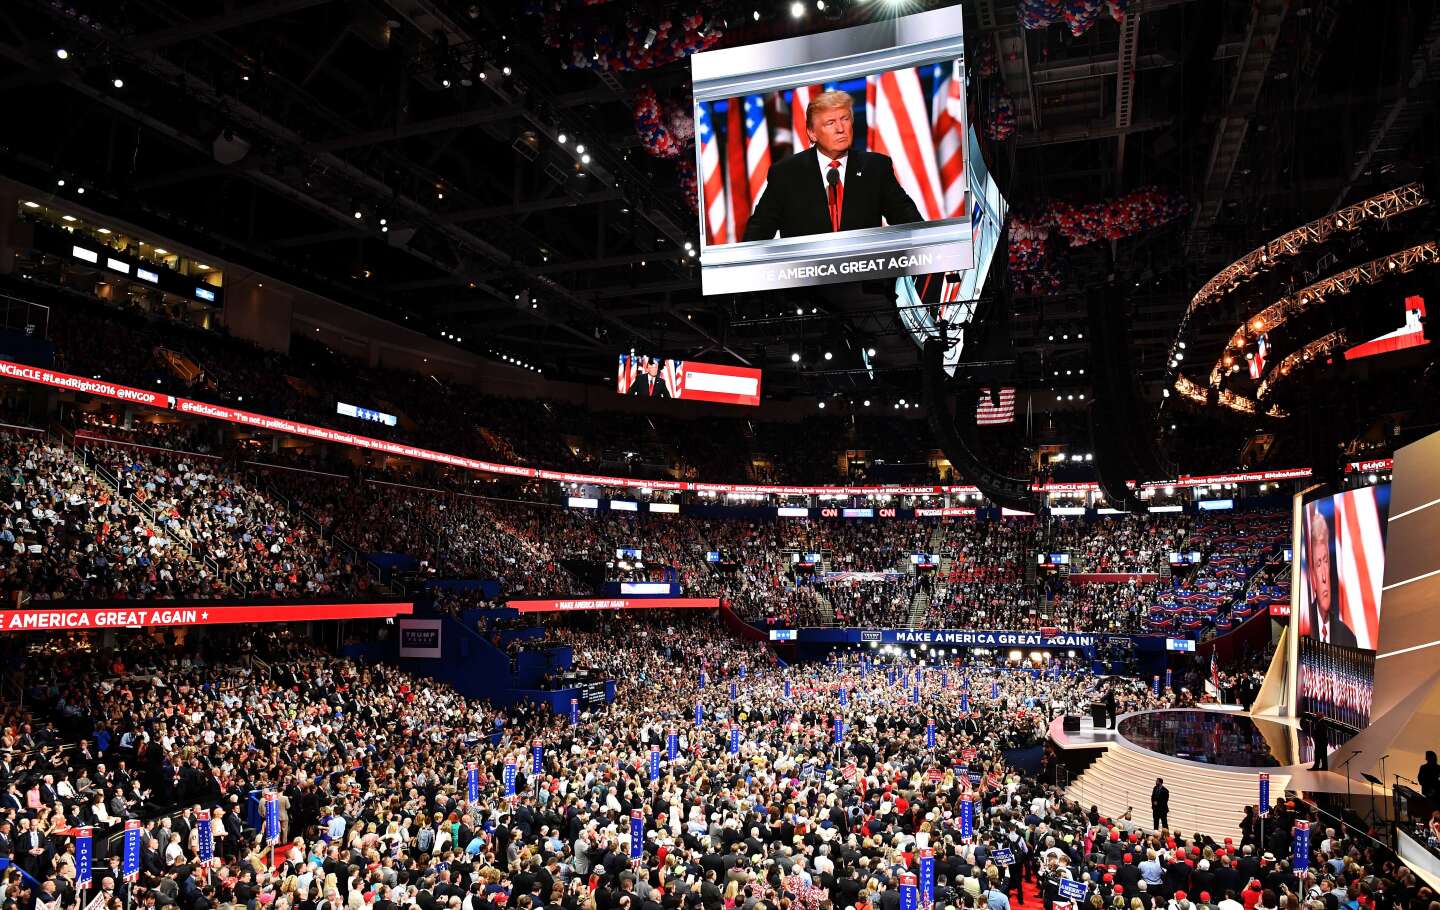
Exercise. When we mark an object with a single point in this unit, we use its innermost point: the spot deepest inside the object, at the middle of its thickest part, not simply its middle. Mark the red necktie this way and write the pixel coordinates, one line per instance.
(837, 196)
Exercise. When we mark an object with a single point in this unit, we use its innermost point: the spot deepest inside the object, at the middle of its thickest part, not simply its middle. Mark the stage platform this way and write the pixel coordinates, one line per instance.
(1210, 758)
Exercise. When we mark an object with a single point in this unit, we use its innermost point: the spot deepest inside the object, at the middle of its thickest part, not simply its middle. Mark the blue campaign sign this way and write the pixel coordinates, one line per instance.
(537, 758)
(742, 671)
(1301, 860)
(965, 702)
(699, 714)
(807, 770)
(915, 695)
(84, 853)
(637, 834)
(1264, 795)
(1156, 683)
(1003, 856)
(787, 690)
(734, 739)
(654, 763)
(1072, 890)
(672, 745)
(472, 782)
(839, 730)
(1169, 678)
(994, 690)
(908, 896)
(272, 817)
(965, 684)
(967, 817)
(574, 712)
(930, 735)
(927, 877)
(702, 679)
(206, 835)
(892, 676)
(844, 698)
(509, 776)
(130, 863)
(734, 692)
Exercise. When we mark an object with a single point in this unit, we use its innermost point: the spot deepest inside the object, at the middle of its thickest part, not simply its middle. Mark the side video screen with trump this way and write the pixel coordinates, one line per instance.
(835, 157)
(648, 376)
(1337, 602)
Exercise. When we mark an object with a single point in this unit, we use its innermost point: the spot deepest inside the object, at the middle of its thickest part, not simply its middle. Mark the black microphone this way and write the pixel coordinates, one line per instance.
(832, 177)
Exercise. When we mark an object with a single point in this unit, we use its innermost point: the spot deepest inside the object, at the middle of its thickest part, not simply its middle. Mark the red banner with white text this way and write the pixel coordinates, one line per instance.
(614, 603)
(139, 616)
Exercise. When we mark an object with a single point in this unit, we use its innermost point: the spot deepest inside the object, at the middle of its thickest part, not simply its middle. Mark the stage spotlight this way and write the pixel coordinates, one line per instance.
(795, 358)
(61, 53)
(797, 9)
(118, 82)
(829, 356)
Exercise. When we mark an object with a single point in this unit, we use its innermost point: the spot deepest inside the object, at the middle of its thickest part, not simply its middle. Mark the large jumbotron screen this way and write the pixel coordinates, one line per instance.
(1338, 599)
(792, 190)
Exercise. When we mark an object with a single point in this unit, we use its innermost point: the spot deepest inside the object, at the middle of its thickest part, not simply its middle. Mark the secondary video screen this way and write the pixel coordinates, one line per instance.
(1342, 567)
(835, 157)
(649, 376)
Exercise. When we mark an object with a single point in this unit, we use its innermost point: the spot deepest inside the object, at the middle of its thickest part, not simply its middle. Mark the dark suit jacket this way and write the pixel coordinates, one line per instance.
(795, 202)
(1340, 634)
(642, 387)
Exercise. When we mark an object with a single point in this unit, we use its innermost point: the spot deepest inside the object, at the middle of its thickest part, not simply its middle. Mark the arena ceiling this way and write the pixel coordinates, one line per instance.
(260, 130)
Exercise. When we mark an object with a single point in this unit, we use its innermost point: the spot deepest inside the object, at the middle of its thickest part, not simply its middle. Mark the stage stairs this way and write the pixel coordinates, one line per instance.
(1202, 799)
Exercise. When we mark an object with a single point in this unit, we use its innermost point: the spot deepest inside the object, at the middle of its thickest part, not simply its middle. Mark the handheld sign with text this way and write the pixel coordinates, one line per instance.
(84, 853)
(1264, 794)
(508, 775)
(537, 758)
(915, 695)
(472, 782)
(702, 679)
(967, 817)
(844, 697)
(734, 692)
(672, 745)
(945, 681)
(927, 877)
(994, 690)
(1301, 860)
(935, 775)
(892, 676)
(574, 712)
(787, 690)
(699, 714)
(637, 834)
(1075, 891)
(930, 734)
(742, 671)
(908, 896)
(654, 764)
(130, 863)
(206, 835)
(734, 739)
(848, 772)
(272, 817)
(1156, 683)
(965, 703)
(839, 730)
(1169, 678)
(1003, 856)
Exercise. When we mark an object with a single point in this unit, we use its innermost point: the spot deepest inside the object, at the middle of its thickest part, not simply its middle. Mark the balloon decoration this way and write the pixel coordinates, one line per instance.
(1036, 267)
(689, 185)
(1079, 15)
(623, 41)
(654, 126)
(1000, 125)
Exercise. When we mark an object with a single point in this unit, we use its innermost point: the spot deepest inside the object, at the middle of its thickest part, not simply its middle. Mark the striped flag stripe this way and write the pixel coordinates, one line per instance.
(899, 110)
(737, 182)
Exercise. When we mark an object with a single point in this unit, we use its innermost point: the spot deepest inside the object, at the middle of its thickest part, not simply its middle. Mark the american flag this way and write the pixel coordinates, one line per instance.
(1257, 363)
(1000, 410)
(1360, 563)
(712, 182)
(799, 101)
(737, 185)
(947, 123)
(673, 372)
(900, 128)
(757, 146)
(1214, 671)
(629, 372)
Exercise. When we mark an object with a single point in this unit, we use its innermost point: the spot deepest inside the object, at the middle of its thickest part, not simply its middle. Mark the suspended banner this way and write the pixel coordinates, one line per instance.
(136, 617)
(614, 603)
(649, 376)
